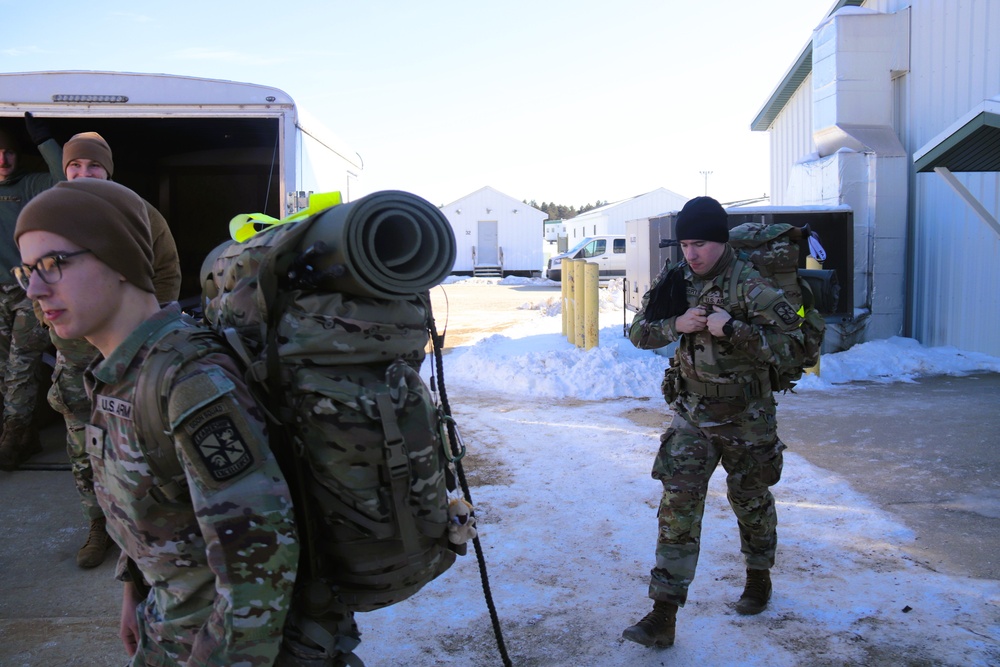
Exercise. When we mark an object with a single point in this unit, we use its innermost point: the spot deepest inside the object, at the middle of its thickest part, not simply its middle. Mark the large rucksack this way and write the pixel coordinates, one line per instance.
(330, 313)
(774, 251)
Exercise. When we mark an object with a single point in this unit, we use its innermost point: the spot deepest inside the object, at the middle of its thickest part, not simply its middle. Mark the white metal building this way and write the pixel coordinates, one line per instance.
(496, 234)
(893, 108)
(611, 218)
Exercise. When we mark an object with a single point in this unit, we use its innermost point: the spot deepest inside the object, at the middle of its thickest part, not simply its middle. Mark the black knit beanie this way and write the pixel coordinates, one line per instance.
(98, 215)
(703, 219)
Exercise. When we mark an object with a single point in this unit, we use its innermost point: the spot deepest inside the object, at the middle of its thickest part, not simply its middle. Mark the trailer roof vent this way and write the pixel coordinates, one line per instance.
(91, 99)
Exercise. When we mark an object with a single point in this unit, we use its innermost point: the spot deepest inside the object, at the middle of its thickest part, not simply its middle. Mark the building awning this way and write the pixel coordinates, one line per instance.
(971, 144)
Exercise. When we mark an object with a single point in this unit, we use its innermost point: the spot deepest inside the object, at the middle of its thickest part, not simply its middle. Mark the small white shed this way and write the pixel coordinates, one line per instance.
(496, 234)
(611, 218)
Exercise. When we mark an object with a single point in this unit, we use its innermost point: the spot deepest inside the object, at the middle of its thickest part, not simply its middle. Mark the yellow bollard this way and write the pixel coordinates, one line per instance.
(592, 309)
(579, 285)
(813, 264)
(563, 293)
(568, 278)
(814, 369)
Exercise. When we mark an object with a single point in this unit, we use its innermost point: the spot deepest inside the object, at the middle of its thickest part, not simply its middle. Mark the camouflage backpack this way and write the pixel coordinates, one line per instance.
(330, 313)
(774, 251)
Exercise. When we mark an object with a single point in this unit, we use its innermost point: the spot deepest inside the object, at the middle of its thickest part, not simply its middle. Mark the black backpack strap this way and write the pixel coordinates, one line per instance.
(397, 459)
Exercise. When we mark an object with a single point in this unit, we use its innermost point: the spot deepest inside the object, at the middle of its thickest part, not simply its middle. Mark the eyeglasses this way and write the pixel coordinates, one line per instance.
(48, 268)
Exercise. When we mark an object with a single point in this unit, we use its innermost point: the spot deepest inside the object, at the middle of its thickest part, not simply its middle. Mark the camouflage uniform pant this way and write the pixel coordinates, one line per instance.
(68, 397)
(22, 341)
(750, 453)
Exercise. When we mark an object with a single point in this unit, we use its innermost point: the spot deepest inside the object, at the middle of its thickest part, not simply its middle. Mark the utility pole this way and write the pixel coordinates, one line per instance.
(705, 174)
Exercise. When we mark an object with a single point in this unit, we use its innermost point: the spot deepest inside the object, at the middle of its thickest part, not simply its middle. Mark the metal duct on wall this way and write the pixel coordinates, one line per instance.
(856, 54)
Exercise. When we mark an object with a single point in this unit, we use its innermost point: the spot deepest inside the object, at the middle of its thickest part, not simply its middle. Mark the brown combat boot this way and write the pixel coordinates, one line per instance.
(756, 593)
(18, 443)
(656, 628)
(92, 553)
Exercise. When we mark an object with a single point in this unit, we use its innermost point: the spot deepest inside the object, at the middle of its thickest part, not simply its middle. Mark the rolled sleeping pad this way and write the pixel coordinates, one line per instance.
(388, 244)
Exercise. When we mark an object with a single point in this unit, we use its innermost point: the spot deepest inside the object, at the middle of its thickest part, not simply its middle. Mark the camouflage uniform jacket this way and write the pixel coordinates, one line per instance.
(17, 191)
(222, 557)
(766, 332)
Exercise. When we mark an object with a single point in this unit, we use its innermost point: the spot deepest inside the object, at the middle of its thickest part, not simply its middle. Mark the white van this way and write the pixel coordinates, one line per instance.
(608, 252)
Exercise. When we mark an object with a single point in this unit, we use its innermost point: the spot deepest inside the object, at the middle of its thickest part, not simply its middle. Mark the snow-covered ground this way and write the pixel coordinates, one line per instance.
(561, 442)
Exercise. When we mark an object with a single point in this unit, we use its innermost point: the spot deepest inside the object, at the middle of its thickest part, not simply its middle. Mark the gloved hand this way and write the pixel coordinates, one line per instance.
(38, 128)
(668, 298)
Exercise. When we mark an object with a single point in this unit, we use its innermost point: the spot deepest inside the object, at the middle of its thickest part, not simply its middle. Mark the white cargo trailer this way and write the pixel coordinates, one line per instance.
(200, 150)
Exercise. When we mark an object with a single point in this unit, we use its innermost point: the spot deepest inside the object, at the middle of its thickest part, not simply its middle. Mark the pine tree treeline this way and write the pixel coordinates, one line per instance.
(561, 212)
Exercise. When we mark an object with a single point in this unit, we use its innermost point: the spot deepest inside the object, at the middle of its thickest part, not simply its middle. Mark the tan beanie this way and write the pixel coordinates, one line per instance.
(98, 215)
(88, 146)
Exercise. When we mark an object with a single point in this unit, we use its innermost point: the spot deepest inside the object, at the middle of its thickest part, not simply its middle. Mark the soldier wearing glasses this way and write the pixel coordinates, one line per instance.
(220, 550)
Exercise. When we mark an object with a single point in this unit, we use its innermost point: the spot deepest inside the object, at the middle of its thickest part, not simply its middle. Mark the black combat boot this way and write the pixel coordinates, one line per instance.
(756, 593)
(657, 628)
(18, 443)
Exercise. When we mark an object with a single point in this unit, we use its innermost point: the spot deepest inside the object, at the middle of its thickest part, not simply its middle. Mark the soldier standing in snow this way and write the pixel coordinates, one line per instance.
(719, 387)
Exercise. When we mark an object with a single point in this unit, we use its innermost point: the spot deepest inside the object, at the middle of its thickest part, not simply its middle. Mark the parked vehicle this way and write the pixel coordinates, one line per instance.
(608, 252)
(199, 150)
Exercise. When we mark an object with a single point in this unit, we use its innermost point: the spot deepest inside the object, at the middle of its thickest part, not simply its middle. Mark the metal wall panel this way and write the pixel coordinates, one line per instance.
(791, 140)
(953, 278)
(955, 258)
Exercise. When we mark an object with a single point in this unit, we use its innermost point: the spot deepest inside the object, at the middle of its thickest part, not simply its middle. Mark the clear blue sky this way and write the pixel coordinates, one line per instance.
(548, 100)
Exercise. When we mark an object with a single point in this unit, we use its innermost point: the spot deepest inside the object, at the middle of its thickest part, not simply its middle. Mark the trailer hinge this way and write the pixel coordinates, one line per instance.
(297, 201)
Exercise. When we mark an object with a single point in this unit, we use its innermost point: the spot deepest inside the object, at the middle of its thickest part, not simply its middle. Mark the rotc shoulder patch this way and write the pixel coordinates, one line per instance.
(786, 312)
(222, 448)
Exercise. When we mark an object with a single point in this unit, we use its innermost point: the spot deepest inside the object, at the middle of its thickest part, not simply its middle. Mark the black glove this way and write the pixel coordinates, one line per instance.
(668, 298)
(38, 129)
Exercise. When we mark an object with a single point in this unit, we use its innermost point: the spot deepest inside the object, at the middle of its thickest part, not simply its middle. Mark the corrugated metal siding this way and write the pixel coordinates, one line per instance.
(956, 256)
(791, 139)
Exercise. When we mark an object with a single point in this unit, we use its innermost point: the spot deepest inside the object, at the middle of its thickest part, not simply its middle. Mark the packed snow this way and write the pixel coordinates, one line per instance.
(561, 441)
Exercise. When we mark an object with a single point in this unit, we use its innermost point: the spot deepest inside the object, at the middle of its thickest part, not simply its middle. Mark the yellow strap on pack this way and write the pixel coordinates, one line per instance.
(801, 312)
(245, 225)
